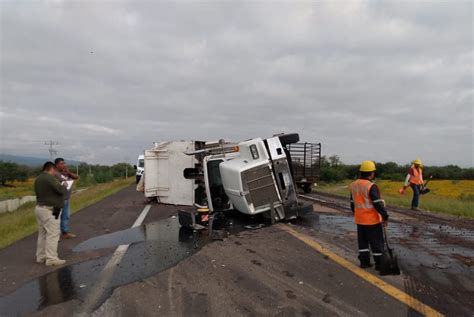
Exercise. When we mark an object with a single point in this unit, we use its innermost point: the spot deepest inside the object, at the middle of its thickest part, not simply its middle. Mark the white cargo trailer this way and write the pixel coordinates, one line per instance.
(164, 167)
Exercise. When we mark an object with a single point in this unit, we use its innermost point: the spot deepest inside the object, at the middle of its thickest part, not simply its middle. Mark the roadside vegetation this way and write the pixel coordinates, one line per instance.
(22, 222)
(449, 197)
(17, 189)
(333, 170)
(452, 187)
(17, 180)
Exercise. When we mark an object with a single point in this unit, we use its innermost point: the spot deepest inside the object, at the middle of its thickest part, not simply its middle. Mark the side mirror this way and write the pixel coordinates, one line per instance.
(134, 167)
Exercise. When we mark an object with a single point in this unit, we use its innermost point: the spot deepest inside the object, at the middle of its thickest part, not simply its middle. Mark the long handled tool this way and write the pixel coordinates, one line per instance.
(389, 260)
(424, 188)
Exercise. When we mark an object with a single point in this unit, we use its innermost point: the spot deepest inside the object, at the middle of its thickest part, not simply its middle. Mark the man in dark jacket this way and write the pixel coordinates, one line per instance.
(50, 194)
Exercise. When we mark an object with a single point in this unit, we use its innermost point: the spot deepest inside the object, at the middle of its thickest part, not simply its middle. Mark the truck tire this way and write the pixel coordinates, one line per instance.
(289, 138)
(307, 188)
(305, 207)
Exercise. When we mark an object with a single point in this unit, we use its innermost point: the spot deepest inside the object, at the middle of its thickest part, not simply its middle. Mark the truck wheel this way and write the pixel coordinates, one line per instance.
(305, 207)
(289, 138)
(307, 188)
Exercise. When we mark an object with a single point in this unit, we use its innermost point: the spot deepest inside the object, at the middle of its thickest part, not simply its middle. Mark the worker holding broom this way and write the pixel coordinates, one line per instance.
(414, 179)
(369, 215)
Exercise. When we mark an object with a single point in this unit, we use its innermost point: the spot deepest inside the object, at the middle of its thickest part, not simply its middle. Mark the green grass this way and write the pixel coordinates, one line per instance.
(19, 189)
(448, 197)
(22, 222)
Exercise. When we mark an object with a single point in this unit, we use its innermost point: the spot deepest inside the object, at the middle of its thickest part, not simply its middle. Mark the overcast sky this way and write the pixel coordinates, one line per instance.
(388, 81)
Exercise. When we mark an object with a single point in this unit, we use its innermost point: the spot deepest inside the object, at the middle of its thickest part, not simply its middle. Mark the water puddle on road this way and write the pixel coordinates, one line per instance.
(163, 231)
(154, 247)
(419, 247)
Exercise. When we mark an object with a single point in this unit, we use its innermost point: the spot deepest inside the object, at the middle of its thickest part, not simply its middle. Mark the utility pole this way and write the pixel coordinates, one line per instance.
(52, 151)
(126, 167)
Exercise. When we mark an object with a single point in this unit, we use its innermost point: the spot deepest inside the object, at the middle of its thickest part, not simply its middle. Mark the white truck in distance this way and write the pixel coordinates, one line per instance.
(140, 167)
(252, 177)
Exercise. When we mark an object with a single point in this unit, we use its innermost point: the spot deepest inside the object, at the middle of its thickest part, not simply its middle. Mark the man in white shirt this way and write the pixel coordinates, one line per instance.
(63, 174)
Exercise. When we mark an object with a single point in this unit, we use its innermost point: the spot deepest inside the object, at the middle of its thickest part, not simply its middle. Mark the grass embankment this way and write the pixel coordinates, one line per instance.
(17, 189)
(22, 222)
(20, 189)
(446, 196)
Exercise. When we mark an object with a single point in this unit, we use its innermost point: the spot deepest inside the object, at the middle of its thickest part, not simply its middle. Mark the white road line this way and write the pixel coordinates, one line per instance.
(107, 273)
(142, 216)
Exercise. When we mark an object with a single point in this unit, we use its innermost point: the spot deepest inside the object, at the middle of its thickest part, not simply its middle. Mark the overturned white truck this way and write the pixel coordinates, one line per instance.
(253, 177)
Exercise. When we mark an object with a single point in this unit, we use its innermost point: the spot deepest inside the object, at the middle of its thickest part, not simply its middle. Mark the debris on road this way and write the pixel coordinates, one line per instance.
(254, 227)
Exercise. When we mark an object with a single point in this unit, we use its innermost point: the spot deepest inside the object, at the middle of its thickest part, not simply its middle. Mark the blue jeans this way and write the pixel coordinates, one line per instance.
(65, 217)
(416, 195)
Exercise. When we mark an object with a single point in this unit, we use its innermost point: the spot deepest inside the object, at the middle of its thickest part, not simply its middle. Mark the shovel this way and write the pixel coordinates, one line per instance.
(388, 261)
(425, 190)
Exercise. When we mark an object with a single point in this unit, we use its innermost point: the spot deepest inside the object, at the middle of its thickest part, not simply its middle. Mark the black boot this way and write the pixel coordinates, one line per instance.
(365, 265)
(364, 259)
(377, 262)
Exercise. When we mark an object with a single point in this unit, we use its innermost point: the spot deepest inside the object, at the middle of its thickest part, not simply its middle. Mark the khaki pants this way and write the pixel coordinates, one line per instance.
(48, 234)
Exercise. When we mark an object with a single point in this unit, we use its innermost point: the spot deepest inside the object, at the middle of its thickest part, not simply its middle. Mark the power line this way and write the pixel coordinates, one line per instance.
(52, 151)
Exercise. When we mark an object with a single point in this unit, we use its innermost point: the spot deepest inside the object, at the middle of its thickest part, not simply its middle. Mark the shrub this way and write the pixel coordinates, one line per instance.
(332, 174)
(10, 172)
(393, 177)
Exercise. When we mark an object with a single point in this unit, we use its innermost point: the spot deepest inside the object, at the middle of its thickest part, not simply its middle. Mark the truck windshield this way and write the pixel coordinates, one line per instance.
(214, 175)
(141, 163)
(219, 199)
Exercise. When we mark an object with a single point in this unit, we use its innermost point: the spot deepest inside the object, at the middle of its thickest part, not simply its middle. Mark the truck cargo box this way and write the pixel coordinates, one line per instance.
(164, 168)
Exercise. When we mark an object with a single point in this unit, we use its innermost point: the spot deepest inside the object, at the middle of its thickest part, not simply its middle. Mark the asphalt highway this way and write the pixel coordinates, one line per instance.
(134, 259)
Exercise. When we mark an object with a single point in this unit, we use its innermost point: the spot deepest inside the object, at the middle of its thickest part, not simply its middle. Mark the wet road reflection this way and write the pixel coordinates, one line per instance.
(418, 246)
(155, 248)
(431, 263)
(164, 231)
(64, 284)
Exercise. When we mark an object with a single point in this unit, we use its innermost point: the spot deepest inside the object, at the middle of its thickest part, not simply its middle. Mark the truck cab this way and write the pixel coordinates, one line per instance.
(260, 179)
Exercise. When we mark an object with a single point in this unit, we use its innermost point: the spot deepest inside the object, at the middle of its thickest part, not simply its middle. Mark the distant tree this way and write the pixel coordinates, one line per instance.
(118, 169)
(352, 171)
(10, 172)
(334, 160)
(324, 161)
(468, 173)
(334, 170)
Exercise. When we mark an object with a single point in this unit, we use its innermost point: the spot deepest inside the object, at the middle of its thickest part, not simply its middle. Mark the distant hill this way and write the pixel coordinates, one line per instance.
(30, 161)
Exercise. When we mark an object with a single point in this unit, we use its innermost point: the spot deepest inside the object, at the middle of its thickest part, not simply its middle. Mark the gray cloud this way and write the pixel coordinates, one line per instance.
(370, 80)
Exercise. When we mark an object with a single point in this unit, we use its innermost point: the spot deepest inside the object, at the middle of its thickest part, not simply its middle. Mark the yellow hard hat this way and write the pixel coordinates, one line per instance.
(417, 162)
(367, 166)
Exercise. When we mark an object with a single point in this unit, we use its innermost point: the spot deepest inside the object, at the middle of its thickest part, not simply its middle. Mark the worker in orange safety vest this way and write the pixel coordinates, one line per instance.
(414, 179)
(369, 215)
